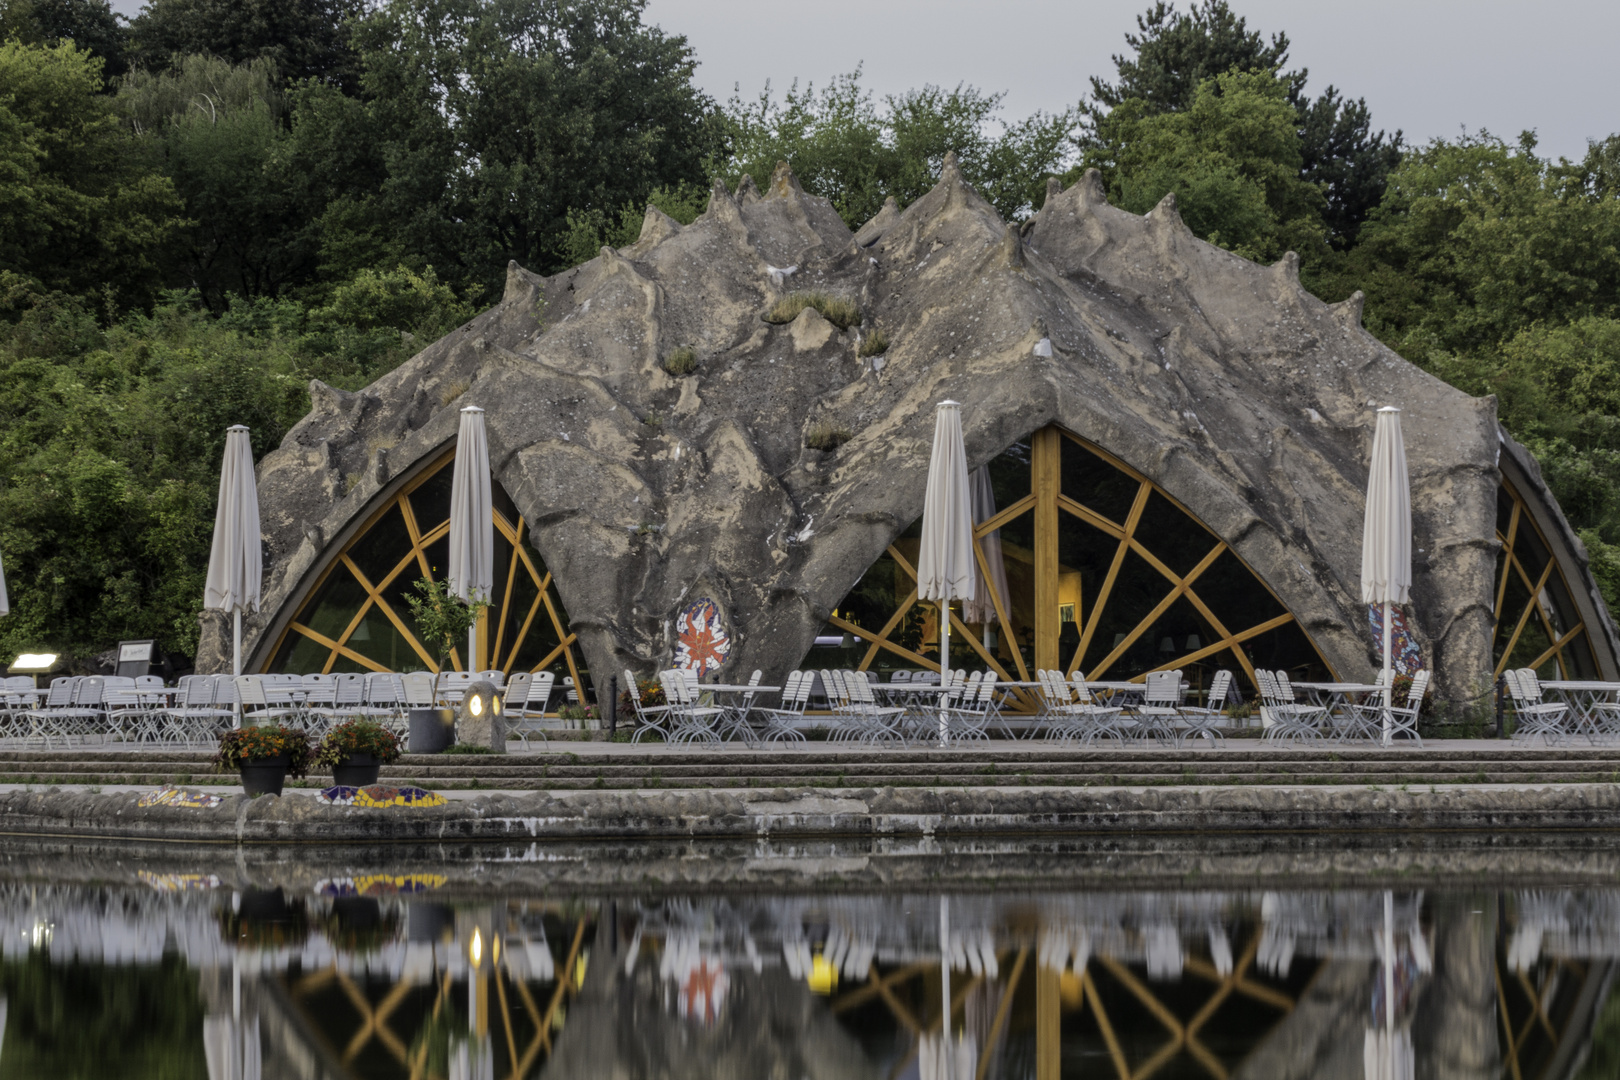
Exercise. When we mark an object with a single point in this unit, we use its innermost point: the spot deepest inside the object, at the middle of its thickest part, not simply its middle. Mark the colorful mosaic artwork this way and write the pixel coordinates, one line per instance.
(178, 882)
(701, 639)
(378, 795)
(380, 884)
(169, 795)
(1405, 655)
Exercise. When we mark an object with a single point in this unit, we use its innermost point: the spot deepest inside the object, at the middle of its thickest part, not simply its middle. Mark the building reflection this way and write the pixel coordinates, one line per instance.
(396, 978)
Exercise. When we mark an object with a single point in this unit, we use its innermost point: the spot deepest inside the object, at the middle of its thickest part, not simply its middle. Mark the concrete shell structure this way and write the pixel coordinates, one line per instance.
(771, 479)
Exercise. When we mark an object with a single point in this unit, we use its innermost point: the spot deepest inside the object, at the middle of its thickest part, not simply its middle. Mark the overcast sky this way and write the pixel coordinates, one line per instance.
(1425, 66)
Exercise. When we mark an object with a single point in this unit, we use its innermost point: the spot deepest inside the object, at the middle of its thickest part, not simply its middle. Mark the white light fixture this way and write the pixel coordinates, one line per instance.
(32, 661)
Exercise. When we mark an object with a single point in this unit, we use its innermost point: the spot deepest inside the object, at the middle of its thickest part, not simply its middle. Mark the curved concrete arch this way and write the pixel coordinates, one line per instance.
(1246, 399)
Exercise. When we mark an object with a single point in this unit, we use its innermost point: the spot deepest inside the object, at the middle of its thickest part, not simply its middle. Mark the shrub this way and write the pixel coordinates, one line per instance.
(874, 344)
(683, 361)
(264, 741)
(357, 736)
(841, 313)
(824, 435)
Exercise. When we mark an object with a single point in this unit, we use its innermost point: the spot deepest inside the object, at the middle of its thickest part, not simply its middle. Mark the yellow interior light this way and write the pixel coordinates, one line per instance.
(475, 949)
(475, 705)
(823, 977)
(495, 705)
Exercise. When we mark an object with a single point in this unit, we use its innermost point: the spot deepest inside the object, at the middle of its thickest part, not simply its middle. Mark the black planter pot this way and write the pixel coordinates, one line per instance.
(432, 731)
(264, 776)
(356, 770)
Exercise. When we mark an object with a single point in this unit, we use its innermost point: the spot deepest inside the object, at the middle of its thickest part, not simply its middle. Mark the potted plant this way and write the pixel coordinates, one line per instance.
(265, 755)
(356, 750)
(441, 620)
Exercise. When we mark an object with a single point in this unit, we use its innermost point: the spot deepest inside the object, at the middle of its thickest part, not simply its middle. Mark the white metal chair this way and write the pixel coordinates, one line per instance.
(452, 686)
(257, 707)
(526, 697)
(1534, 717)
(734, 718)
(195, 717)
(873, 722)
(1160, 711)
(1404, 720)
(967, 718)
(417, 688)
(649, 718)
(1289, 719)
(1203, 721)
(690, 721)
(385, 700)
(782, 722)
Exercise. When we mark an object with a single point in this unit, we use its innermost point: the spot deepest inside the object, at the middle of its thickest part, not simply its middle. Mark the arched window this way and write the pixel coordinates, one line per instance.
(1537, 622)
(356, 617)
(1104, 573)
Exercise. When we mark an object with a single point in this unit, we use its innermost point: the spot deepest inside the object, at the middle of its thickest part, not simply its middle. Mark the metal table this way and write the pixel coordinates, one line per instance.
(1583, 696)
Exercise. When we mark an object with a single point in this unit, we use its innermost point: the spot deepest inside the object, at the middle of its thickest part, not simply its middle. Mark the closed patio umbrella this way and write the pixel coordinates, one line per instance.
(236, 562)
(945, 561)
(1386, 539)
(5, 605)
(472, 530)
(988, 589)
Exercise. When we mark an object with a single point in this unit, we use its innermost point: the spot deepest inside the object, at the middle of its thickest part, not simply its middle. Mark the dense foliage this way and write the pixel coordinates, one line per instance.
(206, 207)
(357, 736)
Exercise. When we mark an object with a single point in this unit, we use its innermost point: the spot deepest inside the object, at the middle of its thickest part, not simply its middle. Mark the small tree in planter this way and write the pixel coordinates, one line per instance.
(356, 750)
(265, 755)
(441, 619)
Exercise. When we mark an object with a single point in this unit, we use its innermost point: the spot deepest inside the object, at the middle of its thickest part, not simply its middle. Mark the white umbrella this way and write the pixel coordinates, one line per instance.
(472, 529)
(982, 608)
(236, 563)
(1386, 541)
(945, 561)
(5, 605)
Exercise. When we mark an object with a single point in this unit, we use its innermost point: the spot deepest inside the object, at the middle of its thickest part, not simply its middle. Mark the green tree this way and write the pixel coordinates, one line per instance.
(302, 39)
(484, 122)
(1232, 159)
(80, 210)
(1177, 53)
(92, 25)
(846, 147)
(217, 131)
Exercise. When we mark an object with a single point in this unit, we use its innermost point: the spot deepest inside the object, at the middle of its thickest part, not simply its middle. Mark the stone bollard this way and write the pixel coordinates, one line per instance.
(481, 720)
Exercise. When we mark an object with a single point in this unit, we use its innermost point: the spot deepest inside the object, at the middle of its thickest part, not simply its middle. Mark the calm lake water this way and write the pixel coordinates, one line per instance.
(452, 966)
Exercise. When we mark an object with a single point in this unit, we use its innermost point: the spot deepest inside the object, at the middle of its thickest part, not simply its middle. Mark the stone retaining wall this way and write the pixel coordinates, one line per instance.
(778, 814)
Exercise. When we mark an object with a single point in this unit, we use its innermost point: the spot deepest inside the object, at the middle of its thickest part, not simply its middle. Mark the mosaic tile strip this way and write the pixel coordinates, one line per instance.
(169, 795)
(380, 884)
(178, 882)
(378, 795)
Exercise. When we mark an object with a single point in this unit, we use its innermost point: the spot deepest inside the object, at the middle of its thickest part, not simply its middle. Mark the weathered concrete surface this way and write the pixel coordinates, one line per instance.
(785, 813)
(1247, 399)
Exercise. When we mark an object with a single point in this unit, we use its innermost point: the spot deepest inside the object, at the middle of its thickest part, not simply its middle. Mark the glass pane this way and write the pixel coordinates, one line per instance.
(524, 594)
(1504, 510)
(1009, 474)
(1238, 599)
(430, 502)
(300, 655)
(334, 605)
(377, 638)
(1018, 563)
(540, 641)
(1137, 590)
(1095, 484)
(1285, 648)
(380, 550)
(1174, 538)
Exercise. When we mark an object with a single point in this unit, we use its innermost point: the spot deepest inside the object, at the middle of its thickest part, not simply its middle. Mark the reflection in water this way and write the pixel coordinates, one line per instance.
(186, 977)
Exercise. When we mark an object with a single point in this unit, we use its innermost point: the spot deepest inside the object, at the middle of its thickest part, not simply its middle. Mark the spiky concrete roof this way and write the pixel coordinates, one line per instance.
(1246, 398)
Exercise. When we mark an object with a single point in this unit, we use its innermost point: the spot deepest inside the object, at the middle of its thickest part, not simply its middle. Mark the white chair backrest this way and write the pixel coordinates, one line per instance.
(1268, 687)
(516, 692)
(690, 675)
(1218, 689)
(901, 676)
(1163, 688)
(1082, 692)
(790, 689)
(250, 691)
(224, 690)
(454, 680)
(1420, 686)
(496, 677)
(674, 686)
(350, 689)
(540, 685)
(1530, 685)
(571, 690)
(418, 686)
(1285, 689)
(89, 693)
(382, 688)
(199, 692)
(318, 689)
(149, 682)
(987, 688)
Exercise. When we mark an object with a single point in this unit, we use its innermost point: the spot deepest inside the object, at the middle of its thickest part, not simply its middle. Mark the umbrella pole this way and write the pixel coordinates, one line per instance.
(944, 667)
(472, 647)
(236, 657)
(945, 973)
(1389, 666)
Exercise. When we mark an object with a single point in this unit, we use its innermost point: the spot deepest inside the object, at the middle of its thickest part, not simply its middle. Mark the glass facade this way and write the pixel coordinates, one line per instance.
(1537, 623)
(1104, 573)
(356, 617)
